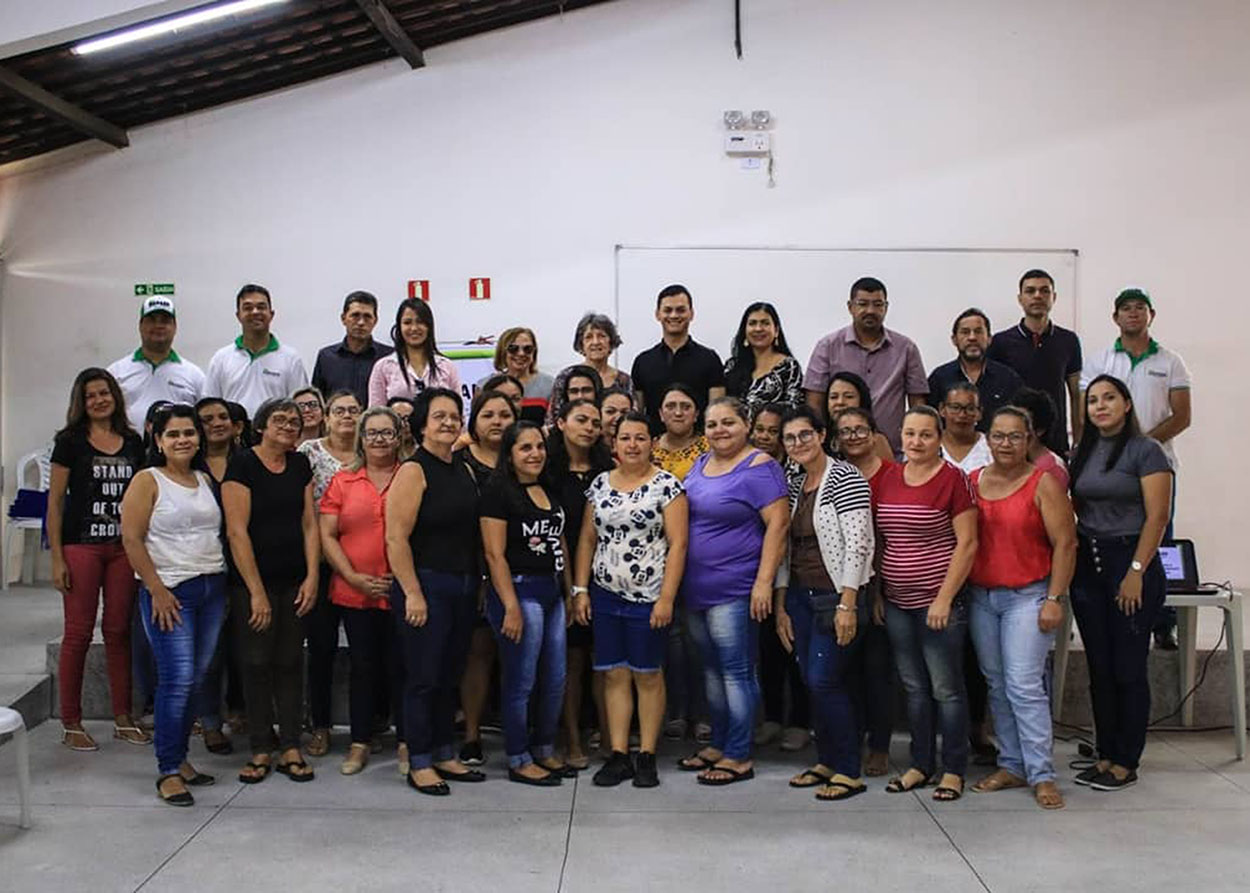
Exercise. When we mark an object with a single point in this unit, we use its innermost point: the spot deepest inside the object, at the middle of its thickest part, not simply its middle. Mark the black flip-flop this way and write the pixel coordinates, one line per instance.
(809, 778)
(472, 775)
(182, 798)
(696, 762)
(735, 776)
(896, 786)
(944, 794)
(255, 779)
(199, 780)
(285, 769)
(842, 791)
(438, 789)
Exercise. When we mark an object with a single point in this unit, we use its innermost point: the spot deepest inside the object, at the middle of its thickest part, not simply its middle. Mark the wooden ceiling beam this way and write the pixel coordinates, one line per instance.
(394, 33)
(51, 104)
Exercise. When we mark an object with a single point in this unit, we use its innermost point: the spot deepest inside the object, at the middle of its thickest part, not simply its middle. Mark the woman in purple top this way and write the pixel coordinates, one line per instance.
(739, 516)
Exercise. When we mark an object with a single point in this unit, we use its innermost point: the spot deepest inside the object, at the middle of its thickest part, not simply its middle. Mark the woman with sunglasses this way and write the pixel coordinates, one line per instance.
(171, 530)
(874, 694)
(516, 353)
(417, 363)
(275, 551)
(327, 456)
(1025, 557)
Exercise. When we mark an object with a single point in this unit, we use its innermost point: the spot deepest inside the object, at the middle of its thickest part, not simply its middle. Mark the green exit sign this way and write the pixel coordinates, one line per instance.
(143, 289)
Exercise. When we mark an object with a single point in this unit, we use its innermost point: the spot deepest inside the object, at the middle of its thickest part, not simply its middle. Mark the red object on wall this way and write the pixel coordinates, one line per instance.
(479, 289)
(419, 288)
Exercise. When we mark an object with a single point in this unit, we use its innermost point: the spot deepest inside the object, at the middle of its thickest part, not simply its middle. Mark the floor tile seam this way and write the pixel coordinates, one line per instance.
(568, 834)
(926, 807)
(1205, 765)
(216, 812)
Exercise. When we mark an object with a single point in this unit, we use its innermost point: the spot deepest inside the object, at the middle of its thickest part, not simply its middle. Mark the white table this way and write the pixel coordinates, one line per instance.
(1187, 604)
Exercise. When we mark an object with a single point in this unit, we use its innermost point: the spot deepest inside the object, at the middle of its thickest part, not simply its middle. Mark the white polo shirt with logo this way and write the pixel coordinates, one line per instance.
(237, 374)
(1151, 378)
(144, 383)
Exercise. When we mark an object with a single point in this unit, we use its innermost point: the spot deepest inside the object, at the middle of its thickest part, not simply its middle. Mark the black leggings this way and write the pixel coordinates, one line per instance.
(272, 666)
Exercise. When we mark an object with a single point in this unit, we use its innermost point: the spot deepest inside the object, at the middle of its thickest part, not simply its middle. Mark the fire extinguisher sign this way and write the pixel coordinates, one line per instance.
(419, 289)
(479, 289)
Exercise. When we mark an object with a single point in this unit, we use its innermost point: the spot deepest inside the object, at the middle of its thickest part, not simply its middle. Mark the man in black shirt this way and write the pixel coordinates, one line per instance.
(996, 383)
(677, 358)
(347, 365)
(1046, 356)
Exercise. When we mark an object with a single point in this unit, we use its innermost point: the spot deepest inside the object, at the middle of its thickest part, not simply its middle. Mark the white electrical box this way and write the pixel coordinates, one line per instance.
(748, 143)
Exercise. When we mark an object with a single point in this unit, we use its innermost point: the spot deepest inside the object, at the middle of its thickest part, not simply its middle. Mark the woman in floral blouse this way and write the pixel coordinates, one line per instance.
(761, 369)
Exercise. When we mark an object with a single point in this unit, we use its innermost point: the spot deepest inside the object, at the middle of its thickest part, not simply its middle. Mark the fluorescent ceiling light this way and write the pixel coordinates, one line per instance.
(170, 25)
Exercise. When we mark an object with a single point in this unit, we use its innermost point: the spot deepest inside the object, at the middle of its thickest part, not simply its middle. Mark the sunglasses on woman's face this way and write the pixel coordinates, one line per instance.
(521, 348)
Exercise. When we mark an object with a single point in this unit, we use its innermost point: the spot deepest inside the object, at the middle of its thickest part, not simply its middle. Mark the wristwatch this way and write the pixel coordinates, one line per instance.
(1136, 566)
(580, 590)
(1058, 599)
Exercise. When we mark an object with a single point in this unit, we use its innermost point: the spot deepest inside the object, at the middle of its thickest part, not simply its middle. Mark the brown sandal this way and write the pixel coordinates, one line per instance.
(319, 744)
(78, 739)
(1047, 795)
(1001, 780)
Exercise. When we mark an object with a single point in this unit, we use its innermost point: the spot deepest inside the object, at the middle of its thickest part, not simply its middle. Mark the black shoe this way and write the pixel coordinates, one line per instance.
(438, 789)
(645, 774)
(1165, 639)
(471, 753)
(617, 769)
(550, 780)
(1085, 776)
(1108, 782)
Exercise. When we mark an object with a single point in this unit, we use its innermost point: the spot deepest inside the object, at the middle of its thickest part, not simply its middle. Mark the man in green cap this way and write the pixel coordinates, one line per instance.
(1159, 384)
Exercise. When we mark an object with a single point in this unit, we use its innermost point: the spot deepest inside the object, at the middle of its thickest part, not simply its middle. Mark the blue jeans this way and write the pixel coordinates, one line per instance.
(826, 666)
(536, 662)
(726, 637)
(433, 656)
(930, 663)
(182, 658)
(1012, 652)
(1116, 646)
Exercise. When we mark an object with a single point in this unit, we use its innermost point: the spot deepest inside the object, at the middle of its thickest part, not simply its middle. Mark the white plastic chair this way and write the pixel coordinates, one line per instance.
(11, 722)
(32, 468)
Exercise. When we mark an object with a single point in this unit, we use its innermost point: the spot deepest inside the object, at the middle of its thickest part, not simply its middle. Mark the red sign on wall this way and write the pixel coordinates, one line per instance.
(479, 289)
(419, 288)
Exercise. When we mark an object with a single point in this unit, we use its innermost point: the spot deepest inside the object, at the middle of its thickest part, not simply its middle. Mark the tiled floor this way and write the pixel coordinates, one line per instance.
(99, 827)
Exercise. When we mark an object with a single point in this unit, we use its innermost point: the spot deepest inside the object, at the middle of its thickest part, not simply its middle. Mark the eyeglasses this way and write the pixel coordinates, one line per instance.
(341, 411)
(807, 435)
(856, 433)
(521, 348)
(286, 421)
(963, 408)
(1015, 438)
(307, 405)
(380, 435)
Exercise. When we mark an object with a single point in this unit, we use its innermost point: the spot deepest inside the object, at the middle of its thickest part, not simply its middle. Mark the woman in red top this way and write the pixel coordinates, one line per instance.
(353, 512)
(1025, 559)
(854, 437)
(927, 519)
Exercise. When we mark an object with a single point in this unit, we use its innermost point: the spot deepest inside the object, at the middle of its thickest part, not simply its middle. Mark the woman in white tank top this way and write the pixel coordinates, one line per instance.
(171, 530)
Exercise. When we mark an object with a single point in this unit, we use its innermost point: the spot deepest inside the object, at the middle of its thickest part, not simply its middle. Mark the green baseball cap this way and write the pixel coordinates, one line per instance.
(1134, 294)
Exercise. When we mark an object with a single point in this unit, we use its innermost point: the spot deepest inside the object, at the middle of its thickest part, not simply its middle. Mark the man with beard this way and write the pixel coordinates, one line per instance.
(995, 382)
(1046, 356)
(888, 361)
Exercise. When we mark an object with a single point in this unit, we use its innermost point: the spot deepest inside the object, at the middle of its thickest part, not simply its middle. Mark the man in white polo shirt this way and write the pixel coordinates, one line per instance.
(1159, 384)
(155, 371)
(255, 367)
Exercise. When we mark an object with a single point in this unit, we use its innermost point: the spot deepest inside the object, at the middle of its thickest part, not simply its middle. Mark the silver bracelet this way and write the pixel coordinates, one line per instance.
(842, 607)
(580, 590)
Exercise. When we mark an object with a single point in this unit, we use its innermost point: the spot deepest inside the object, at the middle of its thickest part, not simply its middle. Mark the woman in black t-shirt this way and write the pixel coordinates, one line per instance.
(523, 538)
(275, 552)
(432, 548)
(578, 456)
(93, 459)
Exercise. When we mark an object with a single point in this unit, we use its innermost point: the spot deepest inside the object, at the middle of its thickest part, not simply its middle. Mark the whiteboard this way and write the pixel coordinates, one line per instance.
(810, 287)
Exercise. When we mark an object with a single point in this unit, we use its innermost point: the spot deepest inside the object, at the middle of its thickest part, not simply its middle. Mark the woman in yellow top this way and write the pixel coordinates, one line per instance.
(682, 443)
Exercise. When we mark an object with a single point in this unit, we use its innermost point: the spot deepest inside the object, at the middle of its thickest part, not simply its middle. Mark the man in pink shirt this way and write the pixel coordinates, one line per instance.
(888, 361)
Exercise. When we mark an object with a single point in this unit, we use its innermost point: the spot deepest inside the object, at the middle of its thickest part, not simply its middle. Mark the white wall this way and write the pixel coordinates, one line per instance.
(1119, 127)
